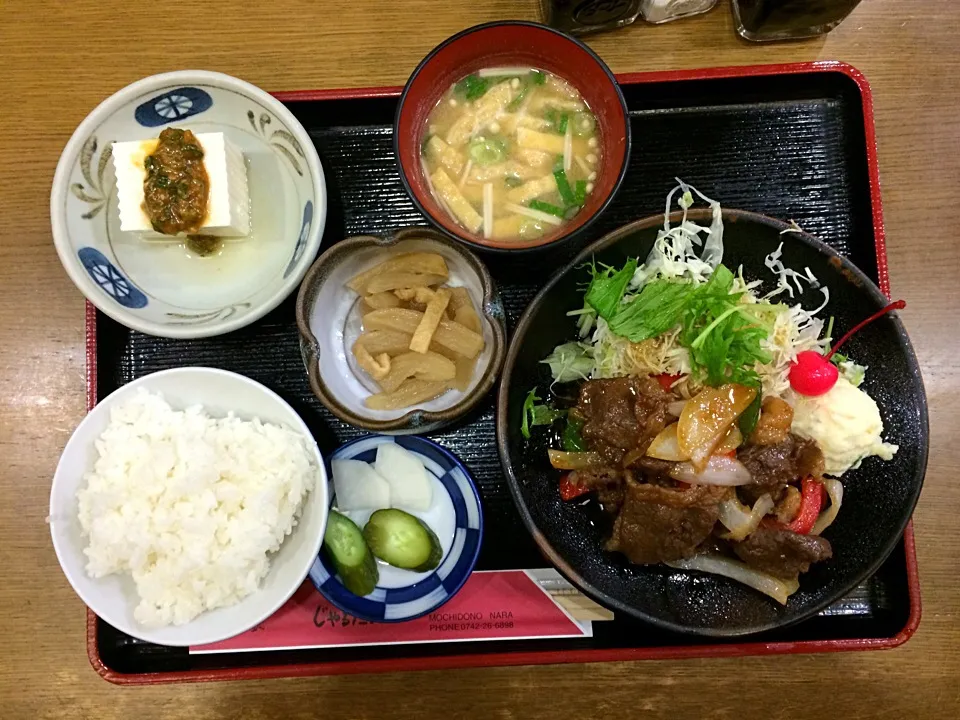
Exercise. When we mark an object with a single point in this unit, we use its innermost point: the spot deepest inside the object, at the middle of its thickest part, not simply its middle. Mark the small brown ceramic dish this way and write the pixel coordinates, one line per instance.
(329, 321)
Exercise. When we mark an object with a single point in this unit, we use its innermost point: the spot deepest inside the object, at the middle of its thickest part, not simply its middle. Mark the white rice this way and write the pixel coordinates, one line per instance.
(190, 505)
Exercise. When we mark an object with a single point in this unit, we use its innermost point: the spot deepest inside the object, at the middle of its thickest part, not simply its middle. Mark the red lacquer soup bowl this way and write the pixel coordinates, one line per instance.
(512, 44)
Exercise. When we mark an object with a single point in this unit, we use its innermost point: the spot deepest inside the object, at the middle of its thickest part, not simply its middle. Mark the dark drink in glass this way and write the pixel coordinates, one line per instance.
(579, 17)
(789, 19)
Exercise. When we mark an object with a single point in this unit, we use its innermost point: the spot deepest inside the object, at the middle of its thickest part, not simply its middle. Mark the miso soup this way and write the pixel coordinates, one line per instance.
(511, 153)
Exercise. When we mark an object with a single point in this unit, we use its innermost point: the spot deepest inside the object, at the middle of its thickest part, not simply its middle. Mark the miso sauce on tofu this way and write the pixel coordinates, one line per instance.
(512, 153)
(176, 189)
(184, 185)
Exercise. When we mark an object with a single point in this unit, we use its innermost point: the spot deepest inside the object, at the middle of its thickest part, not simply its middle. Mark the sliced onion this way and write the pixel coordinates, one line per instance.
(741, 520)
(719, 470)
(731, 441)
(835, 491)
(676, 407)
(665, 447)
(574, 460)
(773, 587)
(707, 417)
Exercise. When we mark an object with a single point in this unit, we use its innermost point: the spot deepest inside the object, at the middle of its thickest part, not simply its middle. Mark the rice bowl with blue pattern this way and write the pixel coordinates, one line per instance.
(454, 515)
(161, 286)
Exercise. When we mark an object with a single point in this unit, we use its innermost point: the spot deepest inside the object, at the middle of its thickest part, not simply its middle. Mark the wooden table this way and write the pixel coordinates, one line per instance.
(60, 59)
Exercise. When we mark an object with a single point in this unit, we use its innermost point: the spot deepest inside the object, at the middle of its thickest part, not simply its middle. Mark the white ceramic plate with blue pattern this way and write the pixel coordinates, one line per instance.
(160, 287)
(455, 516)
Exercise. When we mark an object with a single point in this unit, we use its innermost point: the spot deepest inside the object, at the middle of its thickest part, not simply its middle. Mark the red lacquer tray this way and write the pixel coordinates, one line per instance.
(791, 141)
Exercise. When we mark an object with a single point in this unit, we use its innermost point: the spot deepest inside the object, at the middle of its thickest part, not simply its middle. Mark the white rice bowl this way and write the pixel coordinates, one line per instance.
(191, 517)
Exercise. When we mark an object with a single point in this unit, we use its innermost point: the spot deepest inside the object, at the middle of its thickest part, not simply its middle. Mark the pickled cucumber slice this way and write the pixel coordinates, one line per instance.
(402, 540)
(351, 556)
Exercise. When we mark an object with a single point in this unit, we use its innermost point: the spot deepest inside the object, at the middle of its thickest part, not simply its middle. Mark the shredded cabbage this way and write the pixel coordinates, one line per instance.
(673, 255)
(790, 328)
(794, 228)
(794, 330)
(570, 361)
(785, 275)
(615, 356)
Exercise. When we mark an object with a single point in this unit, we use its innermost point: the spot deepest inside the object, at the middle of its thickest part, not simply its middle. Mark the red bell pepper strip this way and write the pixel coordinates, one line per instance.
(569, 490)
(666, 381)
(811, 500)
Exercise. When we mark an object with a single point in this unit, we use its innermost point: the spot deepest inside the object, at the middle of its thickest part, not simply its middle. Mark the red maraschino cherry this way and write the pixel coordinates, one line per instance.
(813, 374)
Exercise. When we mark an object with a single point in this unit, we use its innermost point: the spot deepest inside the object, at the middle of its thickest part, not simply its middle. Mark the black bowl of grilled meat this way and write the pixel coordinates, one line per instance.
(795, 500)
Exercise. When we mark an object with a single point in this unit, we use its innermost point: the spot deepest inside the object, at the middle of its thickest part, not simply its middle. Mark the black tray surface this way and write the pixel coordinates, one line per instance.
(789, 146)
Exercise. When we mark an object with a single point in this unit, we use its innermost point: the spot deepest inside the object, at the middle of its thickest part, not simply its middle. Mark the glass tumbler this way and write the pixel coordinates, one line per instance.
(579, 17)
(761, 20)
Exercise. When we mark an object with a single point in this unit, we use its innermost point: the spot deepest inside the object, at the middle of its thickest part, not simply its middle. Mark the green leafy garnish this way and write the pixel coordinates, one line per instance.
(545, 415)
(572, 438)
(563, 187)
(487, 150)
(748, 418)
(722, 335)
(528, 404)
(607, 287)
(557, 120)
(472, 87)
(657, 308)
(515, 103)
(546, 207)
(534, 414)
(580, 192)
(552, 117)
(539, 78)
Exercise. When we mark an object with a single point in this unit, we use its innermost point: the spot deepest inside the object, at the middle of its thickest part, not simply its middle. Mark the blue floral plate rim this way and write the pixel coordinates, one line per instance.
(99, 278)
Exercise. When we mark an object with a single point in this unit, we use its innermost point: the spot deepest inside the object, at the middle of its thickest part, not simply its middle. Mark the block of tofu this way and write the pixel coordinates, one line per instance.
(228, 212)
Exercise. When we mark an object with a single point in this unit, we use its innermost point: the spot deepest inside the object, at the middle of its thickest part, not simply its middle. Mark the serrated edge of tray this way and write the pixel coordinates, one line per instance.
(544, 657)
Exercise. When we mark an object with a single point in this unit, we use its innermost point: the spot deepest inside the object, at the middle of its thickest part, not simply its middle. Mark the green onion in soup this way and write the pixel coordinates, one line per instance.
(511, 153)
